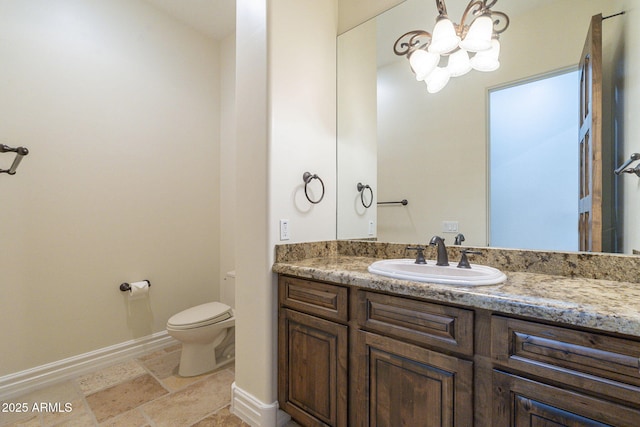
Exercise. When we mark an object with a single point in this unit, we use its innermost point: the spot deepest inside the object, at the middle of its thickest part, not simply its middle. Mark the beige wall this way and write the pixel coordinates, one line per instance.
(255, 302)
(355, 12)
(285, 92)
(357, 139)
(119, 107)
(302, 103)
(228, 190)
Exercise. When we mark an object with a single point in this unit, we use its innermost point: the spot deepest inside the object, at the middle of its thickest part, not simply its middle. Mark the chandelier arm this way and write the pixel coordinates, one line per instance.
(490, 4)
(416, 40)
(498, 25)
(442, 7)
(410, 41)
(475, 7)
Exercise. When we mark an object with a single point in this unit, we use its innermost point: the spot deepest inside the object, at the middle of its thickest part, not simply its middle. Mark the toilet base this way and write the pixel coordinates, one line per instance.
(197, 359)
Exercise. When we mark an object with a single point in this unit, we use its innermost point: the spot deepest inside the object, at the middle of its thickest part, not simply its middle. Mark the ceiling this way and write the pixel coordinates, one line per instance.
(214, 18)
(217, 19)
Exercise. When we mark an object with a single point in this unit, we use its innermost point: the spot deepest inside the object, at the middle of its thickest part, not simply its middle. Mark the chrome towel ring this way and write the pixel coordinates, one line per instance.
(361, 187)
(307, 178)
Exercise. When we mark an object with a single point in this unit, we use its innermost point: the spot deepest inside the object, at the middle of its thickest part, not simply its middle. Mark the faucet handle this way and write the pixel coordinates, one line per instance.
(464, 261)
(419, 255)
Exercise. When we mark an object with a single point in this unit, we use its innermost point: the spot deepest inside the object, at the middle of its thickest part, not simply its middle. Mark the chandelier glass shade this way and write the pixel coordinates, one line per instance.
(423, 63)
(444, 38)
(471, 44)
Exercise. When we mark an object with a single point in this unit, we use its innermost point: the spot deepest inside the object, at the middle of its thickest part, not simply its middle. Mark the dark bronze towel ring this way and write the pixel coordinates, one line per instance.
(307, 178)
(361, 187)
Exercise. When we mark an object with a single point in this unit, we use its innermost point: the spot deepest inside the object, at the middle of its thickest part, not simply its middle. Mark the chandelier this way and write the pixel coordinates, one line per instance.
(468, 45)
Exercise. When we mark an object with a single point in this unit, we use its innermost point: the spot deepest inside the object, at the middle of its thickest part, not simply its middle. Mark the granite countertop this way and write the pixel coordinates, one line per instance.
(605, 305)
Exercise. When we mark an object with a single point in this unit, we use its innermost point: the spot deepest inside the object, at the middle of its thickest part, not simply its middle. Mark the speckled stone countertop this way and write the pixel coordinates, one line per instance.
(569, 298)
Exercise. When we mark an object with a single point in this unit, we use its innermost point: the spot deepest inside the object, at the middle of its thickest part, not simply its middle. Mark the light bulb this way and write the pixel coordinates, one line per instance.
(444, 37)
(479, 36)
(423, 63)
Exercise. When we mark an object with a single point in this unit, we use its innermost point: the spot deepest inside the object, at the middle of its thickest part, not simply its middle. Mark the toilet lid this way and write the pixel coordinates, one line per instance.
(201, 315)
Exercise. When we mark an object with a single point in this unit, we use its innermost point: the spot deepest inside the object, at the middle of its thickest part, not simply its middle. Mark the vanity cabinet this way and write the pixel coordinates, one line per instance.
(550, 375)
(359, 357)
(404, 376)
(313, 351)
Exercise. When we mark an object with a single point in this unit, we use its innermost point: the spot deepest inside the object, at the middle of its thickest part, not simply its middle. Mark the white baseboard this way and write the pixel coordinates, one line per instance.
(22, 382)
(254, 412)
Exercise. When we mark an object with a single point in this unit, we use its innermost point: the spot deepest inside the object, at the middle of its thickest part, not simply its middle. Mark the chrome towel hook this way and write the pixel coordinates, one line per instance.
(623, 168)
(361, 187)
(635, 170)
(307, 178)
(20, 153)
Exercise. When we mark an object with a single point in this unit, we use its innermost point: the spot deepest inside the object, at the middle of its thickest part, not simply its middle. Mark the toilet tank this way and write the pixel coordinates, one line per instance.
(228, 289)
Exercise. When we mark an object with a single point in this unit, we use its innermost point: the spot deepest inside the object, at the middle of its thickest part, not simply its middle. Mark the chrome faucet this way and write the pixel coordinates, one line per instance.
(443, 258)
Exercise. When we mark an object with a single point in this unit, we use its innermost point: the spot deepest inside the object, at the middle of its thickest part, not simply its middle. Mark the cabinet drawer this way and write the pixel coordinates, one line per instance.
(591, 361)
(424, 323)
(321, 299)
(523, 402)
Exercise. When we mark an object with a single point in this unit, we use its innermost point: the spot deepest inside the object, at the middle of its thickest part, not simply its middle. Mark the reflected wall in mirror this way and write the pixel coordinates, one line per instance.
(432, 149)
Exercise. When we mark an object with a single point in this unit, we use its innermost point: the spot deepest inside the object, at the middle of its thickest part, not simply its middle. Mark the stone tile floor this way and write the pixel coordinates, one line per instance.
(142, 392)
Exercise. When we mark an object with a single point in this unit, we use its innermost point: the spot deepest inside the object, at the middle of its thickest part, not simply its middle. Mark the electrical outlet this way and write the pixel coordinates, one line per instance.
(449, 226)
(371, 228)
(284, 229)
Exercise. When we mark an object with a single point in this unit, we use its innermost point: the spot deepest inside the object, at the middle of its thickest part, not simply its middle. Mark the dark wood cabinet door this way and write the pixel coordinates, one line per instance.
(521, 402)
(312, 369)
(411, 386)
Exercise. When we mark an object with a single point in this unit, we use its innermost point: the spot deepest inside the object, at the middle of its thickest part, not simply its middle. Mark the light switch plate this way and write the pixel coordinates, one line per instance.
(284, 229)
(449, 226)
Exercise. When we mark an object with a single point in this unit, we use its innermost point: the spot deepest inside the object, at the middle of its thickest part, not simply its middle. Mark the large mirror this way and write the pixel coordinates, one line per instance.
(401, 143)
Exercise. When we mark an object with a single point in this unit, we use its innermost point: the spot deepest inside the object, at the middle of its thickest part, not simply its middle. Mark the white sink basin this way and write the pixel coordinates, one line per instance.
(407, 269)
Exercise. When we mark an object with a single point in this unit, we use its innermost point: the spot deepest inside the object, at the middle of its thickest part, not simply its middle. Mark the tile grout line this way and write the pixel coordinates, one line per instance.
(140, 408)
(145, 371)
(170, 393)
(139, 411)
(87, 408)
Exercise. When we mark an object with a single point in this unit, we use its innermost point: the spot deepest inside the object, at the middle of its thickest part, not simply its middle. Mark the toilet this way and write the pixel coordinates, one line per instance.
(207, 334)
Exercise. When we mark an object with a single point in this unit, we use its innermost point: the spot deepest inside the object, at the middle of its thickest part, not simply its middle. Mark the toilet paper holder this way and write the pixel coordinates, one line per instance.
(124, 287)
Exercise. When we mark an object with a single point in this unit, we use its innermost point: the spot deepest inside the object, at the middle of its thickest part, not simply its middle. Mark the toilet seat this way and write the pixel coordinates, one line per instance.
(200, 315)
